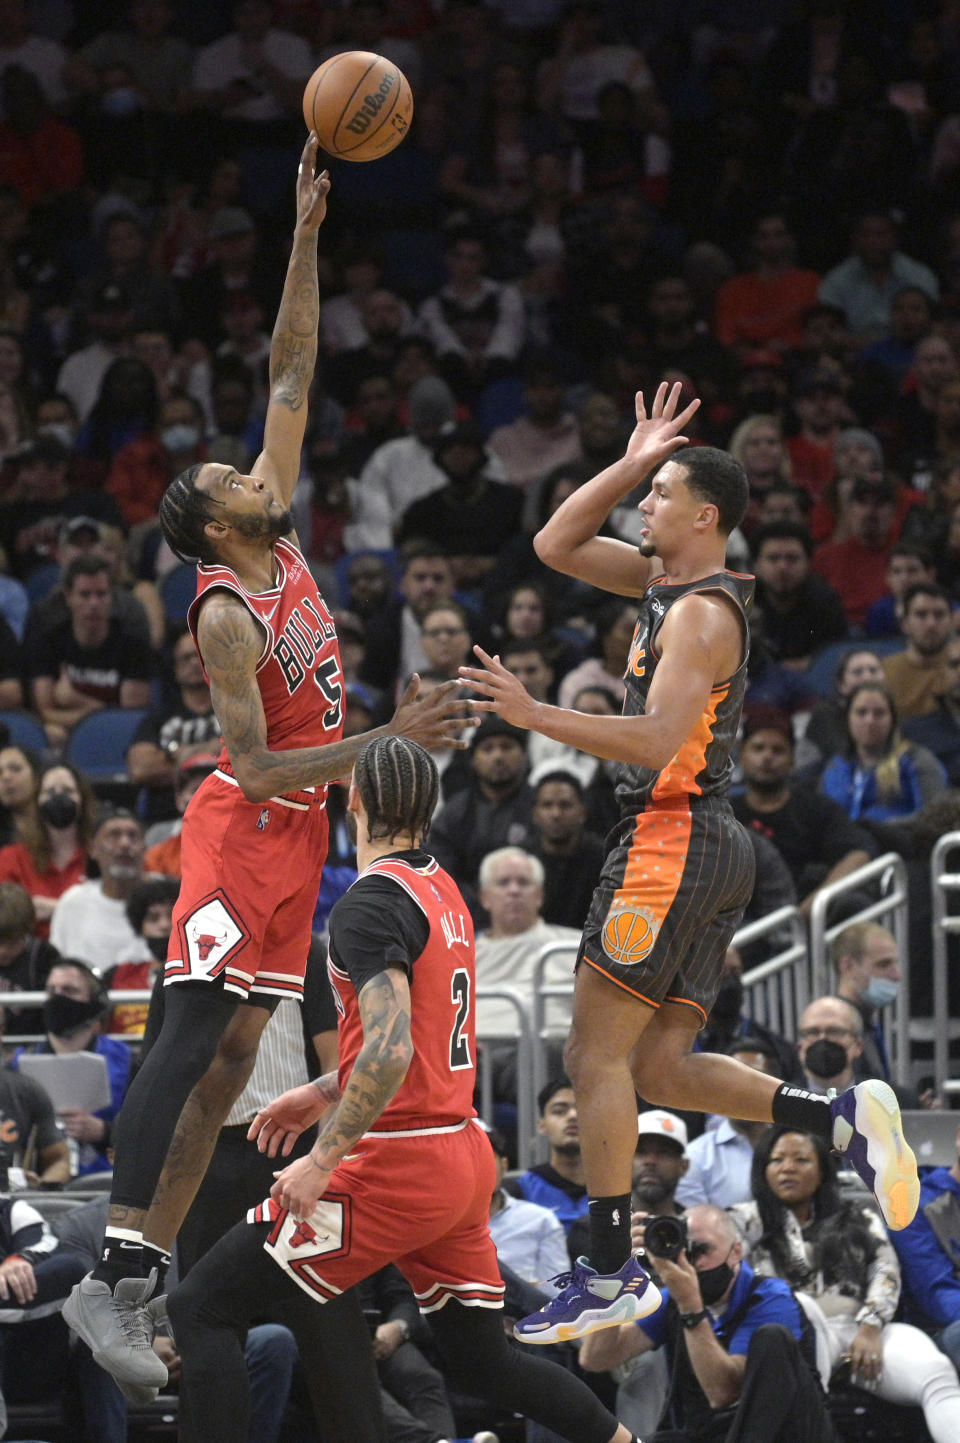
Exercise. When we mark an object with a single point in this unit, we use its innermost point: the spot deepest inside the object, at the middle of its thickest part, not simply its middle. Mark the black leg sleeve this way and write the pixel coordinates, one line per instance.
(235, 1282)
(478, 1359)
(193, 1023)
(781, 1401)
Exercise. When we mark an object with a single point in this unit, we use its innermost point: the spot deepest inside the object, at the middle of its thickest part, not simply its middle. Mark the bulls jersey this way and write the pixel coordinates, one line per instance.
(403, 909)
(702, 766)
(299, 673)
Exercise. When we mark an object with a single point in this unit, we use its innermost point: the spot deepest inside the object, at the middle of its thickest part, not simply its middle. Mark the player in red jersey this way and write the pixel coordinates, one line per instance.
(401, 1171)
(254, 835)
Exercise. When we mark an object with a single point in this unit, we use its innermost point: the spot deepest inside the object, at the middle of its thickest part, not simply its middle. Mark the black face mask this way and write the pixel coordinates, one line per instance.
(158, 947)
(59, 809)
(729, 1000)
(63, 1015)
(825, 1058)
(714, 1282)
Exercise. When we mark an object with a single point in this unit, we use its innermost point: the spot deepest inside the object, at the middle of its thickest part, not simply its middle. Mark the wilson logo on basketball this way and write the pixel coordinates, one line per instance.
(629, 934)
(372, 105)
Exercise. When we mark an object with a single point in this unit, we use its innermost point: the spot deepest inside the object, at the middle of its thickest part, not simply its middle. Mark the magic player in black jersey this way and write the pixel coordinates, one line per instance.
(680, 871)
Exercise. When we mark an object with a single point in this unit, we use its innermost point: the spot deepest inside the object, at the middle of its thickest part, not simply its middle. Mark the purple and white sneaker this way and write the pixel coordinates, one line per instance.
(867, 1129)
(588, 1301)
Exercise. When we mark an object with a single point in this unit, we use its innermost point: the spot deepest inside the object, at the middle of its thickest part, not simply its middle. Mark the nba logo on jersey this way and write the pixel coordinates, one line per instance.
(263, 819)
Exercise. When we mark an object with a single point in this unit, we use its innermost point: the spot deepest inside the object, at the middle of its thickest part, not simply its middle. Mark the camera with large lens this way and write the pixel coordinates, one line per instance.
(665, 1236)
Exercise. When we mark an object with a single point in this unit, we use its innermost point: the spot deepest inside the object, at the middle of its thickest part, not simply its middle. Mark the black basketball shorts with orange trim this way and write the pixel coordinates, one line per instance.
(671, 894)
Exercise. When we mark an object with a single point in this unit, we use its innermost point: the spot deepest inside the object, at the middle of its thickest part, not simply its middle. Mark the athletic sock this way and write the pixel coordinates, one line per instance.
(806, 1111)
(609, 1245)
(122, 1257)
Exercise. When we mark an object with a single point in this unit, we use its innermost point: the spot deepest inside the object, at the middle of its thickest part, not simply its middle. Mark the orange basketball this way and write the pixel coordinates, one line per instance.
(628, 936)
(359, 104)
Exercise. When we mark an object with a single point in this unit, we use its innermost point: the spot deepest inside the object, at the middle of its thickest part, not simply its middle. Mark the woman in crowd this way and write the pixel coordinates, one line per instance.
(615, 625)
(52, 852)
(827, 727)
(878, 775)
(798, 1228)
(757, 443)
(19, 781)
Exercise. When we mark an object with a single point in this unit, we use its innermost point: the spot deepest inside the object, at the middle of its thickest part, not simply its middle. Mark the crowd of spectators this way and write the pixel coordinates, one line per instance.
(759, 201)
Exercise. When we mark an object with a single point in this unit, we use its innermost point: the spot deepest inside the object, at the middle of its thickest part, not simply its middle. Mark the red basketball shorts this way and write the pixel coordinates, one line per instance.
(251, 874)
(417, 1199)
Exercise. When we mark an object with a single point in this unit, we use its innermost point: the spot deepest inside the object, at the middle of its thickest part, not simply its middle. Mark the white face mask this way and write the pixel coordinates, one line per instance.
(62, 430)
(179, 438)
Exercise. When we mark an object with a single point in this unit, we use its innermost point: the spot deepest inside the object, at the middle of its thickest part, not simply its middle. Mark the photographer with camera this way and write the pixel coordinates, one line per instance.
(739, 1349)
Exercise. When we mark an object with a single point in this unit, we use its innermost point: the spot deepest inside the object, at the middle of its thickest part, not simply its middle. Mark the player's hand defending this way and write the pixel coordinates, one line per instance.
(311, 188)
(301, 1186)
(436, 720)
(657, 436)
(507, 696)
(277, 1126)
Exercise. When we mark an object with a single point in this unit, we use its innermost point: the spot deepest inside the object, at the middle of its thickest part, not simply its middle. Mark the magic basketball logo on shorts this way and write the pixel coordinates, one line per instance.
(629, 934)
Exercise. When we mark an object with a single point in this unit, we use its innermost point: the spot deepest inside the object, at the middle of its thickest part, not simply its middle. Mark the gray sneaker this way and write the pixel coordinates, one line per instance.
(136, 1394)
(114, 1328)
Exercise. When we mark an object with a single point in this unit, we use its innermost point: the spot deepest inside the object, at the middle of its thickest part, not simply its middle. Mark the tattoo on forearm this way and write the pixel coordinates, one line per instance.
(378, 1072)
(293, 352)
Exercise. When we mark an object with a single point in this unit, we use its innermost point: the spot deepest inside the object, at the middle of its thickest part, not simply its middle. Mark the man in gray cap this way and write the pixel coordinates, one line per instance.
(402, 471)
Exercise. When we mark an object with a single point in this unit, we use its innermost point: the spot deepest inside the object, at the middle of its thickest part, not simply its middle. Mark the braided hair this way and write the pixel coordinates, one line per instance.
(398, 784)
(183, 514)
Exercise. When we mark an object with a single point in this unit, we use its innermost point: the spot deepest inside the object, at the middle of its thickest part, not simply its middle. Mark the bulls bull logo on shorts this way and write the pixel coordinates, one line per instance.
(629, 934)
(211, 936)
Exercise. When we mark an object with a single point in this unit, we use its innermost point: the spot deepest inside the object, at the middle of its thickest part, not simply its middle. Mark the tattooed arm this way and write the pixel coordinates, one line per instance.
(231, 644)
(293, 350)
(377, 1075)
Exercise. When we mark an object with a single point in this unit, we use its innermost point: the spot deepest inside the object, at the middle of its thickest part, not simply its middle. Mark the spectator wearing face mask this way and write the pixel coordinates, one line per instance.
(56, 838)
(73, 1017)
(141, 471)
(866, 962)
(150, 913)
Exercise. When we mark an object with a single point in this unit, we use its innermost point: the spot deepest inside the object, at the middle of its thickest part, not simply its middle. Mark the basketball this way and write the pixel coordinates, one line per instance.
(359, 104)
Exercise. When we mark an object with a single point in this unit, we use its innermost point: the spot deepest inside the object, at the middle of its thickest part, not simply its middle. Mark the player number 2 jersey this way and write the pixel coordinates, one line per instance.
(299, 672)
(702, 766)
(438, 1087)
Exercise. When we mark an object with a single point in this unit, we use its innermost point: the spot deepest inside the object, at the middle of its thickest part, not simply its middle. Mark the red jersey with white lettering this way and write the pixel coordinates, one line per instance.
(299, 673)
(438, 1088)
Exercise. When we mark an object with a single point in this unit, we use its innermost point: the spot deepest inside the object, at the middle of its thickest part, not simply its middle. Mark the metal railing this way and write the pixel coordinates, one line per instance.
(890, 873)
(942, 883)
(523, 1039)
(778, 989)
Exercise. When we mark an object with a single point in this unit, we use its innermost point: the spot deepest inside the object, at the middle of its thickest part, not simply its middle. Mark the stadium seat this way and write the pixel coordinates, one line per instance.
(177, 590)
(822, 670)
(41, 582)
(25, 730)
(97, 744)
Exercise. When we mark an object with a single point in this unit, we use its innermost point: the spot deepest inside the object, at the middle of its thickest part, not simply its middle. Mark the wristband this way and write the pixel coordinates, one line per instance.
(690, 1320)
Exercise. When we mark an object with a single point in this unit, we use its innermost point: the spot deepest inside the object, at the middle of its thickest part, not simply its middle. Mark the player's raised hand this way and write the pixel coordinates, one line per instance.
(311, 188)
(436, 720)
(277, 1126)
(657, 435)
(505, 695)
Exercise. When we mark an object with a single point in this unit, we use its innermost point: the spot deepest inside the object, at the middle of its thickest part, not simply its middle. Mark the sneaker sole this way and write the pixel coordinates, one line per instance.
(72, 1314)
(136, 1394)
(626, 1309)
(896, 1184)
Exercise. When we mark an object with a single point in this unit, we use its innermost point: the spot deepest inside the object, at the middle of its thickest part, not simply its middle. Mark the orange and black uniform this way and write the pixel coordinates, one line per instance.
(680, 871)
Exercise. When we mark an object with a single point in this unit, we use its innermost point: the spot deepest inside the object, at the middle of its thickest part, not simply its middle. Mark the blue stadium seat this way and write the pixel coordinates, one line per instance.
(25, 730)
(177, 590)
(822, 670)
(97, 744)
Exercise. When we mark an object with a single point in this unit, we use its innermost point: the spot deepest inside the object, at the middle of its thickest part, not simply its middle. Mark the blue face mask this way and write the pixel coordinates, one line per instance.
(881, 992)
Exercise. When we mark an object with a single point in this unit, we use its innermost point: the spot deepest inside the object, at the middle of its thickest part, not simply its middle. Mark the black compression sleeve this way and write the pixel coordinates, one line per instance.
(374, 926)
